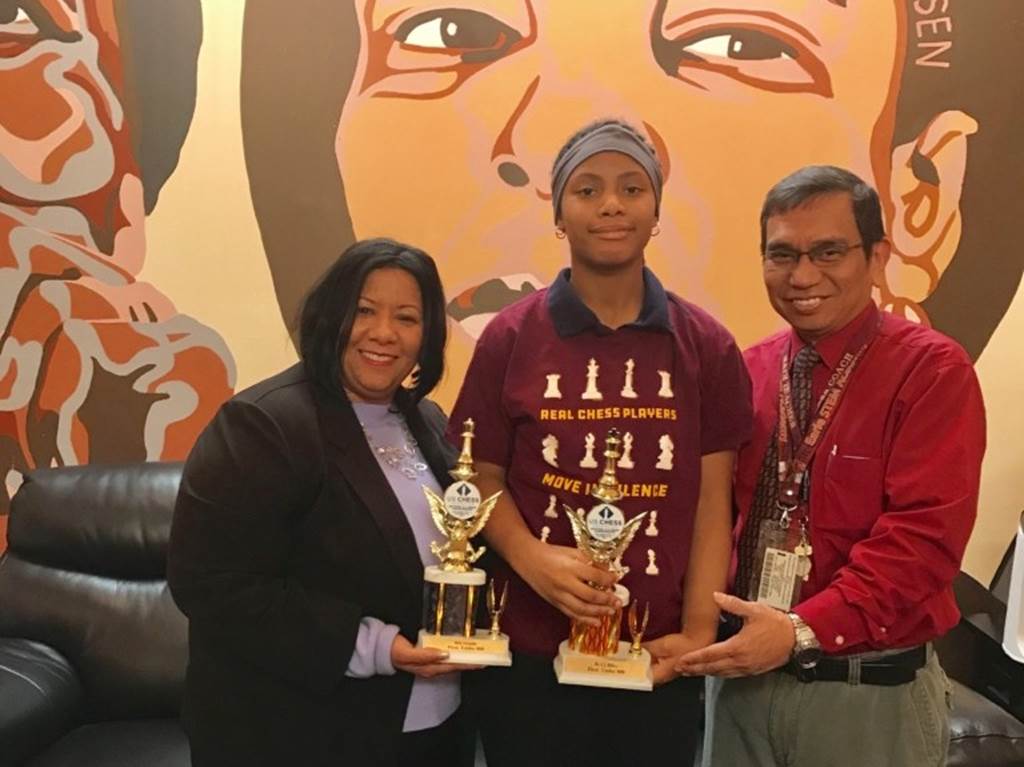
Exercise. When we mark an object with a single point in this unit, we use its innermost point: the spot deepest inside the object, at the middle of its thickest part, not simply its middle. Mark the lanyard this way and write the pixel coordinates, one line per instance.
(793, 466)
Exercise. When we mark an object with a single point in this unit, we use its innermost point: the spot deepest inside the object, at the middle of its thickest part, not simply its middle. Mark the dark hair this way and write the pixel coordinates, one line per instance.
(589, 128)
(814, 180)
(329, 309)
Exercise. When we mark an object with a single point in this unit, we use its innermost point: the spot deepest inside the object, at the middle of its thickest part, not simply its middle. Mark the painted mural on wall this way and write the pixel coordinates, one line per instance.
(95, 365)
(436, 123)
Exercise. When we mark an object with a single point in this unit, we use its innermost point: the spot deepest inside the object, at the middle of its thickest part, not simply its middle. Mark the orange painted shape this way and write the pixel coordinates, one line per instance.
(61, 376)
(37, 111)
(54, 163)
(121, 341)
(87, 304)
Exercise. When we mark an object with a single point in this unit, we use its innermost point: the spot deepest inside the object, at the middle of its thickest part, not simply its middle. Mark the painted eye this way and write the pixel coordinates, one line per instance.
(740, 44)
(456, 30)
(14, 20)
(768, 58)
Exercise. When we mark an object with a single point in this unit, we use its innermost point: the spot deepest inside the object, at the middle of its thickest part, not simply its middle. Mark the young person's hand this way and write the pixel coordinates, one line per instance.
(564, 578)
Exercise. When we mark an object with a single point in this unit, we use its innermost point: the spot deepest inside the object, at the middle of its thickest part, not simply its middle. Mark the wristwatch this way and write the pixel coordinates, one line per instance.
(807, 650)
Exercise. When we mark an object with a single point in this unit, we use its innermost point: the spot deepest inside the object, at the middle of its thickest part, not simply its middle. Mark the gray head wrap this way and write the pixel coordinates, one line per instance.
(608, 138)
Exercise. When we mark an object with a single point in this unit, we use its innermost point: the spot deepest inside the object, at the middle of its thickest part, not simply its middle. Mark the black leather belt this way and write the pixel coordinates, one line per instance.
(889, 670)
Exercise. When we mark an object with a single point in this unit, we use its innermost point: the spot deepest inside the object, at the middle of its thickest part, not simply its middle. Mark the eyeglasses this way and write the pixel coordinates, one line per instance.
(825, 254)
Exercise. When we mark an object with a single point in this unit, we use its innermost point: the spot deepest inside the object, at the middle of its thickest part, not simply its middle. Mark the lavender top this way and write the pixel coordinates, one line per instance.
(432, 700)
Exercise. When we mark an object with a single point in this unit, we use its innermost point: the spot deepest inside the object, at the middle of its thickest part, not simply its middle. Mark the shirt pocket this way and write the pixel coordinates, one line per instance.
(853, 488)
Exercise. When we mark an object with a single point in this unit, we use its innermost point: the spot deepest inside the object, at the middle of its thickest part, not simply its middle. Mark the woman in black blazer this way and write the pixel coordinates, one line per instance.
(291, 554)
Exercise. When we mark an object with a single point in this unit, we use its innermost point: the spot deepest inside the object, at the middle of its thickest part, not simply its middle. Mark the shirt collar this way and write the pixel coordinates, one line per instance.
(831, 347)
(571, 316)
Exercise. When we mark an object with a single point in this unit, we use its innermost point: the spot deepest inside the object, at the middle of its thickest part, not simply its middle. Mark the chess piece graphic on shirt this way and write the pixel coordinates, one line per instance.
(550, 510)
(652, 567)
(594, 655)
(544, 533)
(549, 449)
(626, 461)
(627, 388)
(591, 392)
(450, 588)
(666, 385)
(588, 461)
(651, 531)
(552, 391)
(665, 446)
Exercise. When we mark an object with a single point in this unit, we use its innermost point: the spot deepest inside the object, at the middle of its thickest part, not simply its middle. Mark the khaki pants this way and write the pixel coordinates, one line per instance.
(774, 720)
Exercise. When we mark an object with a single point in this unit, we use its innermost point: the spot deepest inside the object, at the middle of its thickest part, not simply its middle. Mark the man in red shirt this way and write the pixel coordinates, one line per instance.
(856, 496)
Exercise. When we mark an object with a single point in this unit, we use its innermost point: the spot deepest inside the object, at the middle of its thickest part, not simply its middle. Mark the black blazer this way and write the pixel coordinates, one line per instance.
(286, 533)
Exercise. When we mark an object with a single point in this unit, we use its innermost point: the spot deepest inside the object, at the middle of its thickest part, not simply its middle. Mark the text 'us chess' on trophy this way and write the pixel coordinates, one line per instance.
(451, 588)
(593, 655)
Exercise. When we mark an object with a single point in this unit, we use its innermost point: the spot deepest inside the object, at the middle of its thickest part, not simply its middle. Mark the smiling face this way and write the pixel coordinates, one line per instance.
(817, 300)
(475, 102)
(386, 336)
(607, 212)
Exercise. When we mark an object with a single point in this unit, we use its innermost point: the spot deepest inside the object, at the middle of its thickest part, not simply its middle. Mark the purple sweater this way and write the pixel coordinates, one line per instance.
(432, 700)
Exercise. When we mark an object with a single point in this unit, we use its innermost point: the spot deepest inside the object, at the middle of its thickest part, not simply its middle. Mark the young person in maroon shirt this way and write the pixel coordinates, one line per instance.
(604, 346)
(888, 503)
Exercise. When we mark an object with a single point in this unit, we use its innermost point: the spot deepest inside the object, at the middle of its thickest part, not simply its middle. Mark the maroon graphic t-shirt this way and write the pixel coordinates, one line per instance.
(546, 383)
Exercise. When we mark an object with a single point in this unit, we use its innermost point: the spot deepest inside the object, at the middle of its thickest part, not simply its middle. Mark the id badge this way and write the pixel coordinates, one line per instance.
(777, 575)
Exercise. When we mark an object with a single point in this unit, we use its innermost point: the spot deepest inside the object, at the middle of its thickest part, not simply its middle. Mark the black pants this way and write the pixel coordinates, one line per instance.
(450, 744)
(527, 718)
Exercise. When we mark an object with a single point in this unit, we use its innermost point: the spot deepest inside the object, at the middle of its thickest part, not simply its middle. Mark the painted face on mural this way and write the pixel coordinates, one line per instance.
(95, 364)
(474, 103)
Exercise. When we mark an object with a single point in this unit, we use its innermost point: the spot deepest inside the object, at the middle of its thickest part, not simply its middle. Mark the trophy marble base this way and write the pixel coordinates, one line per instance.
(481, 649)
(450, 605)
(620, 670)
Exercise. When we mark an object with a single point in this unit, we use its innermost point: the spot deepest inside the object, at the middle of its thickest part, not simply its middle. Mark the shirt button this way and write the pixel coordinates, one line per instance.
(840, 639)
(882, 629)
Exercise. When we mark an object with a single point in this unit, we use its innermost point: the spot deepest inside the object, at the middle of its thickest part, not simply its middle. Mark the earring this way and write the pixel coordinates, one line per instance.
(656, 230)
(560, 234)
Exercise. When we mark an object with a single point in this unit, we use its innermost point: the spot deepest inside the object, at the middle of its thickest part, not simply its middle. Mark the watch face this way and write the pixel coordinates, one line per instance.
(807, 657)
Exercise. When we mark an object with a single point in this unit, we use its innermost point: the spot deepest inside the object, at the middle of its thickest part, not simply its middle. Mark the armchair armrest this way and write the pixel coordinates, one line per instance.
(40, 696)
(972, 652)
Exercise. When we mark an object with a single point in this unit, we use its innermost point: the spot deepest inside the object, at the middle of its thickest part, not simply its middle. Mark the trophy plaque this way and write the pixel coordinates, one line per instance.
(594, 655)
(451, 588)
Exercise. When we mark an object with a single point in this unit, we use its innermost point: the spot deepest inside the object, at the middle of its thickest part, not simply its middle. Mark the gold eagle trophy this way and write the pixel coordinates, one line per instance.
(593, 655)
(450, 588)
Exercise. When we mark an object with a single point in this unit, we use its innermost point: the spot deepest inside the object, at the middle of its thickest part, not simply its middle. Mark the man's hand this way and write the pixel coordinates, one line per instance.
(560, 574)
(422, 661)
(667, 650)
(764, 643)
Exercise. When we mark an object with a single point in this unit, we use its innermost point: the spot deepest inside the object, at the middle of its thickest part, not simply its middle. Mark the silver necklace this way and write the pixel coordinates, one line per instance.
(404, 458)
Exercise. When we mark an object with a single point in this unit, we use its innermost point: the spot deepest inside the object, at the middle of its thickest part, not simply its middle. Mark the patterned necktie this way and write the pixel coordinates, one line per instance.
(763, 506)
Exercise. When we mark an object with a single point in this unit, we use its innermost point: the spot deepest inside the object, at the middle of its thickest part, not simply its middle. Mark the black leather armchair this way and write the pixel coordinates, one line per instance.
(988, 686)
(92, 648)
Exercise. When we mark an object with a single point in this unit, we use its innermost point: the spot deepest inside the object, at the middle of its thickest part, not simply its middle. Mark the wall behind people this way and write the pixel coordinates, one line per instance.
(171, 182)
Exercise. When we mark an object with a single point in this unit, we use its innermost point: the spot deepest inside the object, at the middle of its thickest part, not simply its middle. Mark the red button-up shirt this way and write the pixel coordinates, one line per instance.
(894, 483)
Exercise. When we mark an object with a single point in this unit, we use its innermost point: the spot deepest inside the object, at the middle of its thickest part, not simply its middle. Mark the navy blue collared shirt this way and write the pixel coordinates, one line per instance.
(571, 316)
